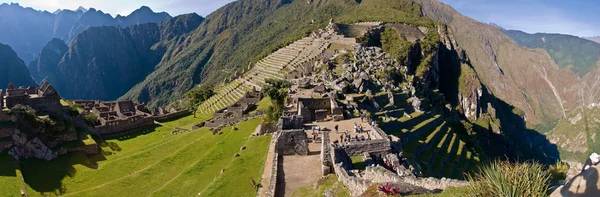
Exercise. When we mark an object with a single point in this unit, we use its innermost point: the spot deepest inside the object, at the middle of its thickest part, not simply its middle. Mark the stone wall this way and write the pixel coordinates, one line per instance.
(198, 126)
(380, 144)
(291, 122)
(271, 188)
(292, 142)
(4, 116)
(66, 137)
(171, 116)
(342, 164)
(88, 149)
(326, 162)
(123, 126)
(376, 147)
(5, 132)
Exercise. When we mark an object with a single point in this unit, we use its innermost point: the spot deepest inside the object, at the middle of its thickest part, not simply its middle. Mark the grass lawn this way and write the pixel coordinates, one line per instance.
(10, 176)
(331, 182)
(264, 104)
(358, 162)
(155, 160)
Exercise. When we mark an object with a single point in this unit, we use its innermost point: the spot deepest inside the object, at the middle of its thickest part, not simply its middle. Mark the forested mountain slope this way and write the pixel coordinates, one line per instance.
(105, 62)
(578, 54)
(12, 69)
(241, 32)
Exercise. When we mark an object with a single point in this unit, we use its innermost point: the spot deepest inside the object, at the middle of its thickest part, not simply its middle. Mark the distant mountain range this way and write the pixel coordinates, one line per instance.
(27, 30)
(594, 38)
(572, 52)
(12, 69)
(105, 62)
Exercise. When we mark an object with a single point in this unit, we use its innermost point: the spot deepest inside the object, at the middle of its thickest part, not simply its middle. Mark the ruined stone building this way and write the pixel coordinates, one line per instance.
(42, 99)
(319, 109)
(115, 118)
(235, 112)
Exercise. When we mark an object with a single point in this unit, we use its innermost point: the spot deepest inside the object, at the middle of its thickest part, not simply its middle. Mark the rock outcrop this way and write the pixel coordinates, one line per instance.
(586, 183)
(34, 148)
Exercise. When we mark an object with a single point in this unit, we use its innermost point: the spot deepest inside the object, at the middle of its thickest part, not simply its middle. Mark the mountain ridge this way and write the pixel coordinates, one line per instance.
(13, 69)
(102, 63)
(27, 30)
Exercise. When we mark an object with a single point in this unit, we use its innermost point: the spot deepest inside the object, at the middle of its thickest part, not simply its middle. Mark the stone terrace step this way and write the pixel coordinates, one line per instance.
(461, 159)
(440, 147)
(451, 155)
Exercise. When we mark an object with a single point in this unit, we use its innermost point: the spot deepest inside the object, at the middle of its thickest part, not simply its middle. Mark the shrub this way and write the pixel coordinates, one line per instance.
(502, 178)
(91, 119)
(388, 189)
(558, 171)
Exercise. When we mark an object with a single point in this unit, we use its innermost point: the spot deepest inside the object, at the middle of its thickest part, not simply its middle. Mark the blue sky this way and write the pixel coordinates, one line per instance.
(124, 7)
(575, 17)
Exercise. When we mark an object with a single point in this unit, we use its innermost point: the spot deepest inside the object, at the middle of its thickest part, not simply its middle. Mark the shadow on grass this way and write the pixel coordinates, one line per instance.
(46, 176)
(135, 134)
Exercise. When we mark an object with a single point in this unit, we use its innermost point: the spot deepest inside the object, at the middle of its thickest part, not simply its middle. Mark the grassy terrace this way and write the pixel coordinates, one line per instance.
(151, 162)
(10, 176)
(433, 145)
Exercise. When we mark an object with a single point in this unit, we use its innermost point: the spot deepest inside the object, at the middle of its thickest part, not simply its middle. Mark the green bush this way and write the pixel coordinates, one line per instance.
(558, 171)
(502, 178)
(91, 119)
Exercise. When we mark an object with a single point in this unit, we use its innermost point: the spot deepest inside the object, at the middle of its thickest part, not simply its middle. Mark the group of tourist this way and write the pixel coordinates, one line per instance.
(358, 128)
(347, 137)
(317, 133)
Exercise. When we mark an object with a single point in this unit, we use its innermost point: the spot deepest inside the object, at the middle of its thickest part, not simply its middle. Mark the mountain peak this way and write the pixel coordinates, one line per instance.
(82, 9)
(497, 26)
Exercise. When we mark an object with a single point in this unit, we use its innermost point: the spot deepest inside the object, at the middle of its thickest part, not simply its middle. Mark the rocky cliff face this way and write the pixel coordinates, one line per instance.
(526, 78)
(28, 30)
(46, 65)
(12, 69)
(105, 62)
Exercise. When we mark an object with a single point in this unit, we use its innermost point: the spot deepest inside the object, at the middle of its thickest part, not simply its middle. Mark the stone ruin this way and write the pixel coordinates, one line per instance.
(235, 112)
(45, 146)
(44, 99)
(117, 118)
(318, 109)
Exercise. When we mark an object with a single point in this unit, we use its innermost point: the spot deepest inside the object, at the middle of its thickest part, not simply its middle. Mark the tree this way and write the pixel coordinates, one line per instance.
(196, 96)
(277, 89)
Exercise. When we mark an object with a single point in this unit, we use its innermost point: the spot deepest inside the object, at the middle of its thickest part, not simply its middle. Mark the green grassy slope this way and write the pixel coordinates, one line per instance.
(578, 135)
(154, 162)
(572, 52)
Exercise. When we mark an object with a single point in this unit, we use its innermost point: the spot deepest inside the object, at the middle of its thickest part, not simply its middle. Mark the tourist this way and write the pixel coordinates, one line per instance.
(342, 138)
(355, 127)
(591, 161)
(336, 129)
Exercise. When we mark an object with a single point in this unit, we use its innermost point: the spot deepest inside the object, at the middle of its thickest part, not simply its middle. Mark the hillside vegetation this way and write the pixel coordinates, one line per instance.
(578, 54)
(244, 31)
(105, 62)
